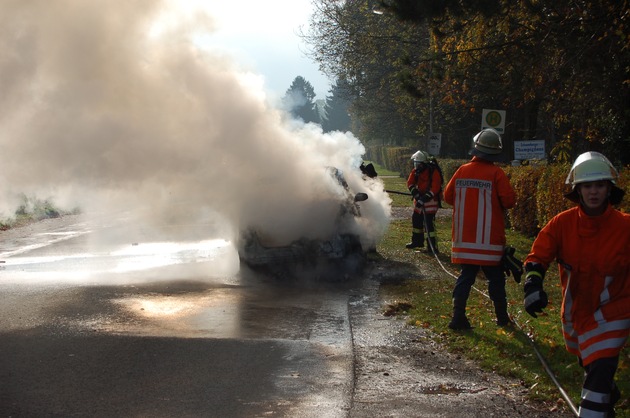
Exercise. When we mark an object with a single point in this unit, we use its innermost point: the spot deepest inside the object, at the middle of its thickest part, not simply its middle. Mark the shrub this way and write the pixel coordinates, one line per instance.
(397, 159)
(449, 167)
(524, 180)
(624, 183)
(550, 191)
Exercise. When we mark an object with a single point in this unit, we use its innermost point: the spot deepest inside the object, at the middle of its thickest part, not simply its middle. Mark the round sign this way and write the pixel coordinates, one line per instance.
(493, 118)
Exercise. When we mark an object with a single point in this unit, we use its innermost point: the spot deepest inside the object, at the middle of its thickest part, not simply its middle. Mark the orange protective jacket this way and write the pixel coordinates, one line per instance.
(429, 180)
(594, 263)
(479, 192)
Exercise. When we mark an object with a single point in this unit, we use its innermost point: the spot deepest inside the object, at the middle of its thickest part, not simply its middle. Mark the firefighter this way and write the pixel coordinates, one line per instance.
(425, 184)
(480, 192)
(590, 244)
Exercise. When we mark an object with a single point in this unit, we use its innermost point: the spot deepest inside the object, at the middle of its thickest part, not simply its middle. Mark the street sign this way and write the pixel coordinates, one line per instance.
(494, 119)
(435, 143)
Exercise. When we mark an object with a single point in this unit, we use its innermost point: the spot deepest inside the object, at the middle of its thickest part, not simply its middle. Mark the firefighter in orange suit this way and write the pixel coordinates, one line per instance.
(425, 185)
(479, 192)
(590, 244)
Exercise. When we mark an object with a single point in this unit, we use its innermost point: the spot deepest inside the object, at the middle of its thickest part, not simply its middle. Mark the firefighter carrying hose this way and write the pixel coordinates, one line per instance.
(480, 192)
(590, 244)
(425, 184)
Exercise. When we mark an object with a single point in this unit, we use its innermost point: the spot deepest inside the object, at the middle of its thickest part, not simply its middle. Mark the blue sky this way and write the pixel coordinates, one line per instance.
(263, 37)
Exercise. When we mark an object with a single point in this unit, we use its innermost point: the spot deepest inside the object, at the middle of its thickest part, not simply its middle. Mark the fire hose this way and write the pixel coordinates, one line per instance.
(397, 192)
(542, 360)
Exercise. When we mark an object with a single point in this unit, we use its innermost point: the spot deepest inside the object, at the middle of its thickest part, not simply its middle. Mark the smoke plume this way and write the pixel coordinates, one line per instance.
(103, 109)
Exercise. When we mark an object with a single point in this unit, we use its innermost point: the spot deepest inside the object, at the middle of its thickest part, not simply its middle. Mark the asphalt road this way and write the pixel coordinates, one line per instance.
(127, 327)
(80, 352)
(87, 331)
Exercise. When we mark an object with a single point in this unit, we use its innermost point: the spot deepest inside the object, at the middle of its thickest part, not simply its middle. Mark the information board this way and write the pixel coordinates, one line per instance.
(529, 150)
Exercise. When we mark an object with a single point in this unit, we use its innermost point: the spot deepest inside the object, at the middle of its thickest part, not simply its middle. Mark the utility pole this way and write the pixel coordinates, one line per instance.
(430, 112)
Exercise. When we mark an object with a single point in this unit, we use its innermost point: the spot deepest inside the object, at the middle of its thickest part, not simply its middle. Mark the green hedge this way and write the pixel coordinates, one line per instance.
(524, 180)
(540, 195)
(397, 159)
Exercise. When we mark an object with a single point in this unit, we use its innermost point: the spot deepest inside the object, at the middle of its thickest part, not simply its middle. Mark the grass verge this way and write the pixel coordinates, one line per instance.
(507, 351)
(31, 210)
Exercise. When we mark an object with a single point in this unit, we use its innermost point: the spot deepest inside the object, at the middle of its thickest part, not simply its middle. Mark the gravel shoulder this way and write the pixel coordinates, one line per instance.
(401, 371)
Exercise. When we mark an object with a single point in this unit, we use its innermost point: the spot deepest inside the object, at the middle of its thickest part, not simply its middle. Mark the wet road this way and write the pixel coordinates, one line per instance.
(109, 321)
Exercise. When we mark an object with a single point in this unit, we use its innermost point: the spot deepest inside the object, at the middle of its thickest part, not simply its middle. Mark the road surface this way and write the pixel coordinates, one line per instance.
(102, 321)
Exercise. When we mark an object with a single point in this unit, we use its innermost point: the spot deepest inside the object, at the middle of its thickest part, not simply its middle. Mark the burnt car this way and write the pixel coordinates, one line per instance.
(338, 256)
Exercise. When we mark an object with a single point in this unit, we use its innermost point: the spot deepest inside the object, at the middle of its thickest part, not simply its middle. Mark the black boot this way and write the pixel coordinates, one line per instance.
(459, 321)
(417, 241)
(500, 309)
(432, 246)
(615, 395)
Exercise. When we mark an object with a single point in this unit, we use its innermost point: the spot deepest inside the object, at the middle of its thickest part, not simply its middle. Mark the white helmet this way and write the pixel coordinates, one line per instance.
(488, 141)
(593, 166)
(487, 145)
(419, 158)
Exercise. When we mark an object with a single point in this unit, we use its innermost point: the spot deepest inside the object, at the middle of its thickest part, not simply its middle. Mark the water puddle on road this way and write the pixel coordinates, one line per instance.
(125, 264)
(207, 310)
(214, 312)
(130, 282)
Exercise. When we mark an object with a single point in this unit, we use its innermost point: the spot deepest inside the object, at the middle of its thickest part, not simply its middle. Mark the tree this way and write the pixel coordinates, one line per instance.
(560, 66)
(373, 55)
(560, 69)
(337, 108)
(299, 101)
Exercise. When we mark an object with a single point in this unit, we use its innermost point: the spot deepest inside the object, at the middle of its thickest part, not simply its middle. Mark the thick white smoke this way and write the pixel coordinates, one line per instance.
(98, 110)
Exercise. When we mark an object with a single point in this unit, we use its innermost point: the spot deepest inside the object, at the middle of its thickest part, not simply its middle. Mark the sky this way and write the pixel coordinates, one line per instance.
(113, 108)
(264, 37)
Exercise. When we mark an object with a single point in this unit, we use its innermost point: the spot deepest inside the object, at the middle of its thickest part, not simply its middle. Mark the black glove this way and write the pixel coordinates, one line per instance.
(535, 297)
(511, 264)
(415, 194)
(426, 197)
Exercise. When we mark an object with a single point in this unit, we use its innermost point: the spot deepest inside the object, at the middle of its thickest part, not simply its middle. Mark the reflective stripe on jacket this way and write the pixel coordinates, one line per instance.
(479, 192)
(422, 183)
(594, 263)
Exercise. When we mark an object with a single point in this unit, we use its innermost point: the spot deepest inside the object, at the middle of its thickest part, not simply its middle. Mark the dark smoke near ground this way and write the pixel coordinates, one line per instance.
(103, 109)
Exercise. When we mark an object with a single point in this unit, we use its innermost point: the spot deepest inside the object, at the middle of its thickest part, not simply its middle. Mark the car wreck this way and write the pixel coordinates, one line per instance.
(336, 257)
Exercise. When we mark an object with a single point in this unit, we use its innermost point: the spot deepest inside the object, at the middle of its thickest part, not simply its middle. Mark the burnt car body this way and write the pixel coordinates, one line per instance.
(339, 256)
